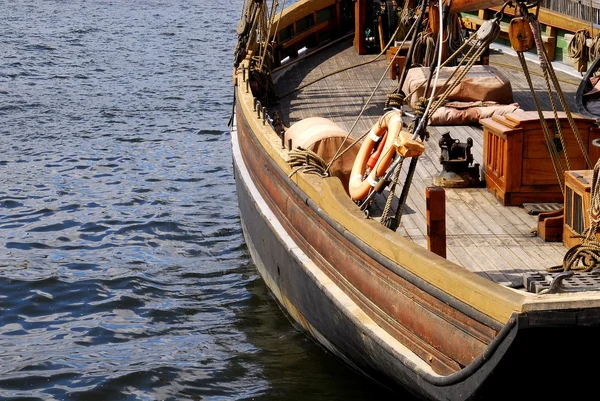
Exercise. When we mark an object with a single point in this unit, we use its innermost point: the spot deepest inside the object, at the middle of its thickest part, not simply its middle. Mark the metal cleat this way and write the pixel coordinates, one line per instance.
(556, 283)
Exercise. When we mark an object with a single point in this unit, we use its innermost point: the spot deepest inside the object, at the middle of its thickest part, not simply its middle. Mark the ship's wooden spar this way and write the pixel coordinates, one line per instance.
(457, 6)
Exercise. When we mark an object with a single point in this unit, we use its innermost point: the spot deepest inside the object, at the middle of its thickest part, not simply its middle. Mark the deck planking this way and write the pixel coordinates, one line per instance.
(491, 240)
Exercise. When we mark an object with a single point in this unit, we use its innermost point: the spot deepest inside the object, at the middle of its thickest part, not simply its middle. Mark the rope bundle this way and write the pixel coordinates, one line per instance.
(578, 49)
(424, 49)
(595, 47)
(307, 161)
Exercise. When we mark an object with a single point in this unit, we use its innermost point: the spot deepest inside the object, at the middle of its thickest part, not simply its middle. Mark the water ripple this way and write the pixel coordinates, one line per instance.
(123, 273)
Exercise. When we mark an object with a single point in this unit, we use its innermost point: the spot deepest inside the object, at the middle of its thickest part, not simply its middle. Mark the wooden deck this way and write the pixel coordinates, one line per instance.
(483, 236)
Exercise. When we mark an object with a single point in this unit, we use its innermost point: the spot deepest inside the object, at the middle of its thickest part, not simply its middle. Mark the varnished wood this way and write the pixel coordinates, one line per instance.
(580, 183)
(360, 10)
(436, 220)
(550, 226)
(520, 35)
(397, 60)
(518, 166)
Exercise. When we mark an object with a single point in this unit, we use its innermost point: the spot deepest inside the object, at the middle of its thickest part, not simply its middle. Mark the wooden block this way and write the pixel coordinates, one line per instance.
(436, 220)
(550, 226)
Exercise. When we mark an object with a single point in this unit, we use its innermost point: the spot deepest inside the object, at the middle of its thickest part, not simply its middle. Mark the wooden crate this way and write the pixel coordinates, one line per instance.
(517, 164)
(397, 61)
(578, 185)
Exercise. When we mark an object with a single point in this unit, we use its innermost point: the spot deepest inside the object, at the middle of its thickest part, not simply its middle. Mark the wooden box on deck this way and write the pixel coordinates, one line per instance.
(397, 59)
(578, 185)
(517, 165)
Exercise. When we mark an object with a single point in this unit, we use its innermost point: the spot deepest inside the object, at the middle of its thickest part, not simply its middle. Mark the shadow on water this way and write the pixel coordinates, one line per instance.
(294, 365)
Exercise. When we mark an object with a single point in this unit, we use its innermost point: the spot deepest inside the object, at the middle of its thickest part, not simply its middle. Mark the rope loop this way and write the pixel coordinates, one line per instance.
(307, 161)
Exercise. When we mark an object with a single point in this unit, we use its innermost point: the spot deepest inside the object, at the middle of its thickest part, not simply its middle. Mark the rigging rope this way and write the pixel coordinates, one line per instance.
(340, 152)
(554, 157)
(419, 131)
(547, 68)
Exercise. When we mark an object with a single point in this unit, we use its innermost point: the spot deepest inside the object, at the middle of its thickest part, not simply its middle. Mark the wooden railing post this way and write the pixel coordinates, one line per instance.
(360, 11)
(436, 220)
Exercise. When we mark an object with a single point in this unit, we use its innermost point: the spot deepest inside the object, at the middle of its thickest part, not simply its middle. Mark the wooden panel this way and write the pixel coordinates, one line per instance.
(523, 171)
(539, 172)
(297, 40)
(300, 10)
(535, 142)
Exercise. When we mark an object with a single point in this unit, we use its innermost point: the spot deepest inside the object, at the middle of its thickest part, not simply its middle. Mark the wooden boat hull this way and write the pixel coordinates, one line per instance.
(388, 307)
(314, 269)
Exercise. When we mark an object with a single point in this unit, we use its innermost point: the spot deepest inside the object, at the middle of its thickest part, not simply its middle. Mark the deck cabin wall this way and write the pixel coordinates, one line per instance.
(311, 25)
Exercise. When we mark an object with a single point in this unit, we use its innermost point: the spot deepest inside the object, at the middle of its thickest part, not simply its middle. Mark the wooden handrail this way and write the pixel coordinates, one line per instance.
(303, 35)
(556, 20)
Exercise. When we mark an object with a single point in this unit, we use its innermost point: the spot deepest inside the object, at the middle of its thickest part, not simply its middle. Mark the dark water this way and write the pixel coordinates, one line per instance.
(123, 270)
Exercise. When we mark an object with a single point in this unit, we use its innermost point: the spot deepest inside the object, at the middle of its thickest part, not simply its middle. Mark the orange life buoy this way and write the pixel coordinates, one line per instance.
(390, 123)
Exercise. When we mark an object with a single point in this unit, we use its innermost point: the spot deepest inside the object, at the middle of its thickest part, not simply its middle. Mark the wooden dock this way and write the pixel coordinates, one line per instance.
(498, 242)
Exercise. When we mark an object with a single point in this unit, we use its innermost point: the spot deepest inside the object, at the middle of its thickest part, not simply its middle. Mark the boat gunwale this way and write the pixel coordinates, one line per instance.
(408, 358)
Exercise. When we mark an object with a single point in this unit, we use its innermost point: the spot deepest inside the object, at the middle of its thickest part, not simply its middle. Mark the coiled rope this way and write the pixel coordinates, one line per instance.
(307, 161)
(595, 47)
(424, 48)
(578, 49)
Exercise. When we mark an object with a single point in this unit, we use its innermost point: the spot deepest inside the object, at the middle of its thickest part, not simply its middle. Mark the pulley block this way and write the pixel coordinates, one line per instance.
(520, 34)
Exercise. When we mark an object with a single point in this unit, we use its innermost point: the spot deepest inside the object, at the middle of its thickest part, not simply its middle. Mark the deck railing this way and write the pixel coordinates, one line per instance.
(309, 25)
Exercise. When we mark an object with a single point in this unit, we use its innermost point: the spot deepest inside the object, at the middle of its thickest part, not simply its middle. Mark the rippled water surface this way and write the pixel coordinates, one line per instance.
(123, 270)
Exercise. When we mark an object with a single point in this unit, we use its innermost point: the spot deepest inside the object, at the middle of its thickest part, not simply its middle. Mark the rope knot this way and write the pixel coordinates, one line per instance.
(394, 100)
